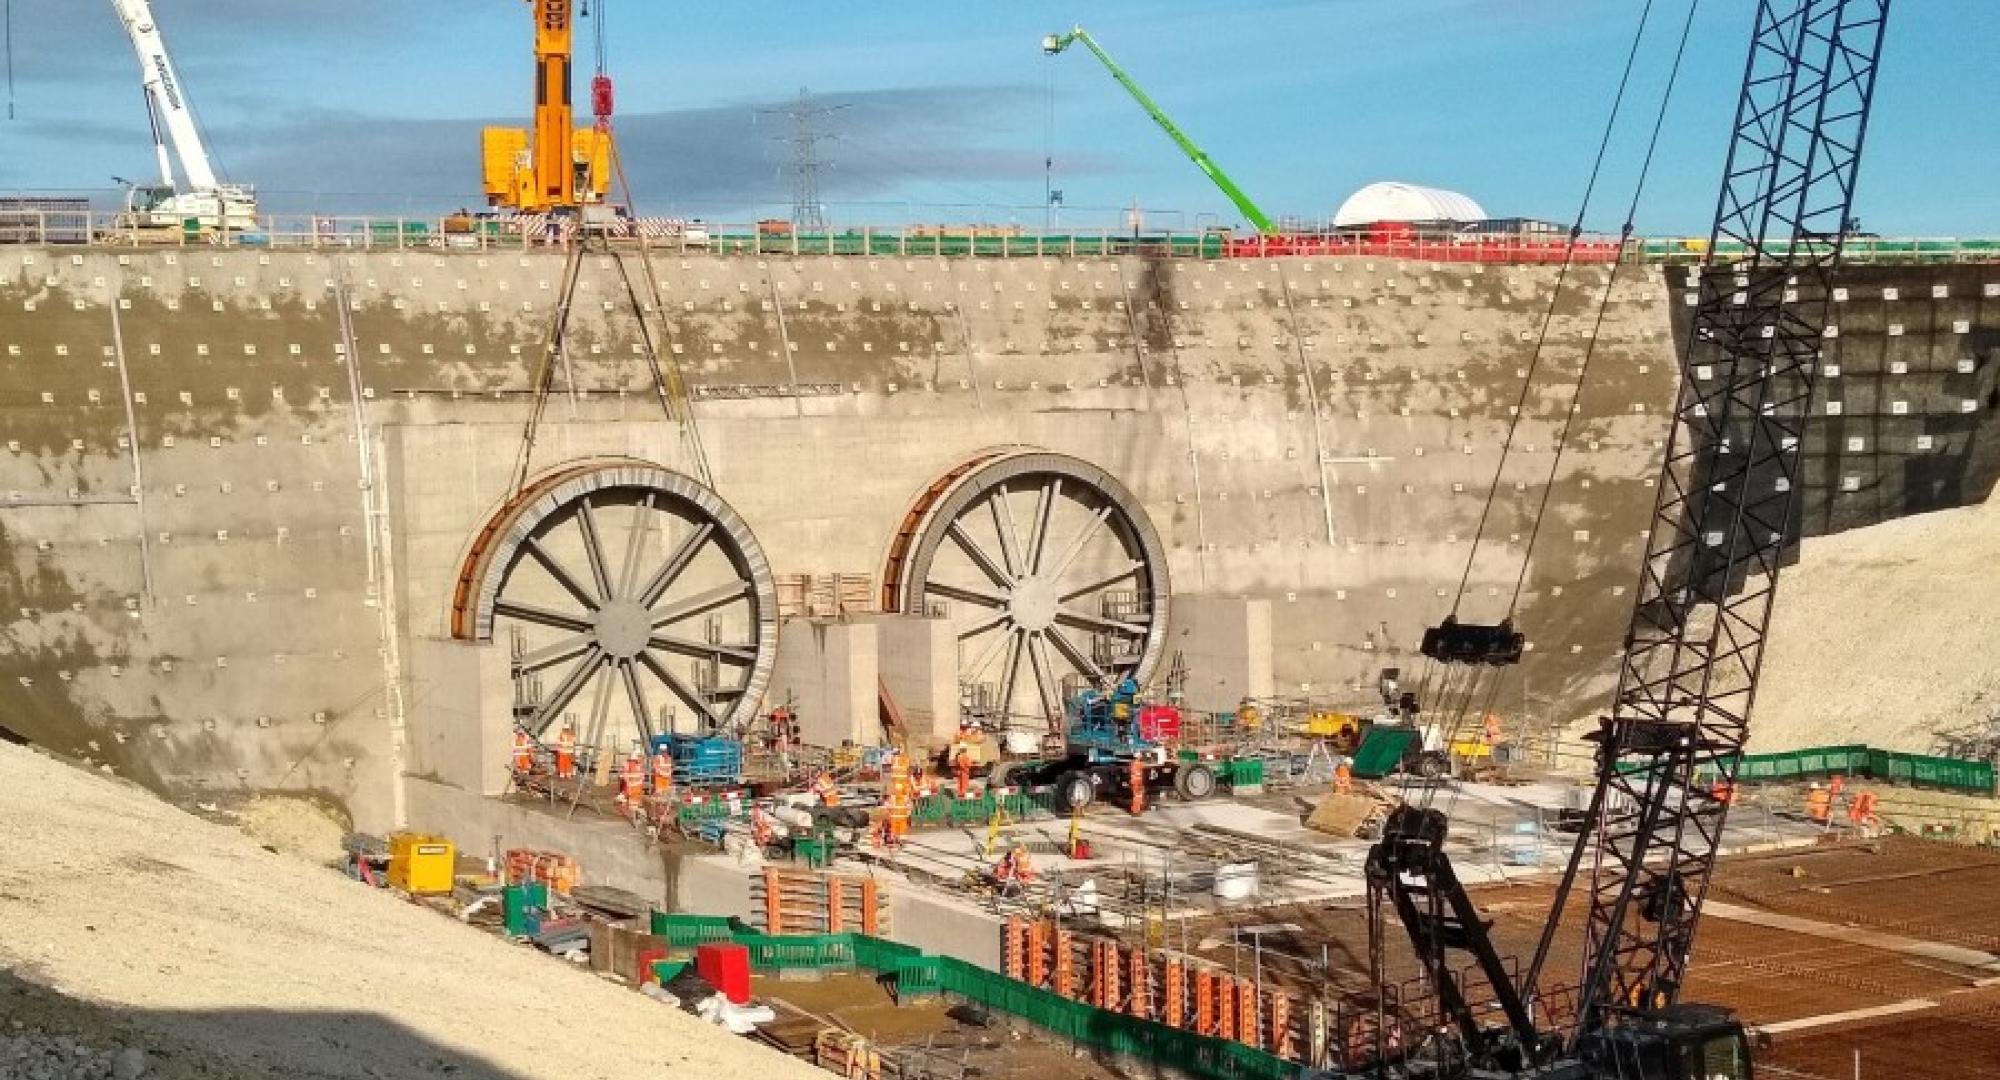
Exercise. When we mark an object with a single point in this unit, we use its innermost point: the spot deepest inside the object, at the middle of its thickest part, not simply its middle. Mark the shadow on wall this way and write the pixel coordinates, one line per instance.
(182, 1044)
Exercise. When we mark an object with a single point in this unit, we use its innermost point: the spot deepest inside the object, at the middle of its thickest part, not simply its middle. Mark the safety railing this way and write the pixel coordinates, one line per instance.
(474, 232)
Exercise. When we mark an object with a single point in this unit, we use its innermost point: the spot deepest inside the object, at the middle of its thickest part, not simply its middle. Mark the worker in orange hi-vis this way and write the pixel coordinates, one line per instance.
(762, 829)
(1819, 803)
(524, 753)
(663, 773)
(901, 795)
(1490, 728)
(1014, 866)
(826, 789)
(1861, 811)
(634, 783)
(1343, 778)
(961, 770)
(566, 753)
(1723, 791)
(1135, 778)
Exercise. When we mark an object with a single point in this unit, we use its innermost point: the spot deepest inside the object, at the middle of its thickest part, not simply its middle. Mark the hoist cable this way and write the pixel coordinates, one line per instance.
(1603, 306)
(1548, 315)
(10, 58)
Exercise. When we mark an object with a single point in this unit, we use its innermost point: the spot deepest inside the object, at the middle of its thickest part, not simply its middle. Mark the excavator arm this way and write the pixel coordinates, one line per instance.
(1056, 43)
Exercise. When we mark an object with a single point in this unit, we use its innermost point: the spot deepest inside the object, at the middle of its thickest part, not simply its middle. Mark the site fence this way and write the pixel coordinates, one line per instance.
(680, 236)
(915, 973)
(1951, 774)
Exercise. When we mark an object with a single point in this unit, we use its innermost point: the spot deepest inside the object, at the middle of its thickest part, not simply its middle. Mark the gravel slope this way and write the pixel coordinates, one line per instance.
(1885, 635)
(192, 940)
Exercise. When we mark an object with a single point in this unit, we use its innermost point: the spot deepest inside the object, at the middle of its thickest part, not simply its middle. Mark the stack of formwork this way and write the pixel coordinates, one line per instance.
(786, 901)
(831, 596)
(792, 590)
(1174, 989)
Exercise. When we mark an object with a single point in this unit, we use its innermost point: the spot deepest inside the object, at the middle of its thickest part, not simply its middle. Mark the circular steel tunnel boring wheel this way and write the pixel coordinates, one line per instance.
(634, 584)
(1050, 570)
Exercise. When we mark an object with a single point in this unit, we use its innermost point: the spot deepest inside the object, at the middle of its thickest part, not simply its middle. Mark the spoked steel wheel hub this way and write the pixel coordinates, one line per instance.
(635, 599)
(1050, 572)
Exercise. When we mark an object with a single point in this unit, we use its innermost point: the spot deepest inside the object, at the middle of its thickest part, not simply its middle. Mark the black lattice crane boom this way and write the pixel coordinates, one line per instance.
(1723, 522)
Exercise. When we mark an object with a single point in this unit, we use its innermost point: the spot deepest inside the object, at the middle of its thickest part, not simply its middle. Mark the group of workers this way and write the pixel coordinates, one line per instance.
(639, 776)
(1820, 799)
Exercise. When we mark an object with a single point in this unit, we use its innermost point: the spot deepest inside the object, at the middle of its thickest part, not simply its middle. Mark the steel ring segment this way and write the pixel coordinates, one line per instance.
(1129, 521)
(502, 546)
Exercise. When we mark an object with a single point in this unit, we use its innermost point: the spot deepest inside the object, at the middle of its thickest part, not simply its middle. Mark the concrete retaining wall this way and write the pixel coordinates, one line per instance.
(231, 511)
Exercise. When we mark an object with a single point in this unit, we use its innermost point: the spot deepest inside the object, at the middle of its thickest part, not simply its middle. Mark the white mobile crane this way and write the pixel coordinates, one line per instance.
(205, 199)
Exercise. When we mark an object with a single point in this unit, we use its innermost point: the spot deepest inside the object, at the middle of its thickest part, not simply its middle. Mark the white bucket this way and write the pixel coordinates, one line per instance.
(1236, 881)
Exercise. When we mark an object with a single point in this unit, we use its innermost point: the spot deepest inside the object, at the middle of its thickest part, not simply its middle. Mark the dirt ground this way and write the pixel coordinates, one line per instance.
(1900, 886)
(131, 921)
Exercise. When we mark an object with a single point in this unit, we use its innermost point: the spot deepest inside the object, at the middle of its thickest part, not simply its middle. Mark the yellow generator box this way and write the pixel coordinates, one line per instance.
(421, 865)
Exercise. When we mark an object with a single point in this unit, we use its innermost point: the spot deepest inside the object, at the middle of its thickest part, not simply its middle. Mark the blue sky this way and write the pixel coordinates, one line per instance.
(376, 104)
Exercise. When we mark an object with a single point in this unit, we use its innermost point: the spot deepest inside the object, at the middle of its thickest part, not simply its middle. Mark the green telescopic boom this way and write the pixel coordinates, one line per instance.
(1055, 43)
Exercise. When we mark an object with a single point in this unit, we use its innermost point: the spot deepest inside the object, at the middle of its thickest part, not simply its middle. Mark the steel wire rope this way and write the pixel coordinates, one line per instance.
(1590, 346)
(1603, 306)
(1528, 378)
(1555, 295)
(1450, 730)
(10, 58)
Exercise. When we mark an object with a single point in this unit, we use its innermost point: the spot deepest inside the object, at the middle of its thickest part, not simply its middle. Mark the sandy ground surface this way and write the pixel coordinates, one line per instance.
(1884, 635)
(126, 922)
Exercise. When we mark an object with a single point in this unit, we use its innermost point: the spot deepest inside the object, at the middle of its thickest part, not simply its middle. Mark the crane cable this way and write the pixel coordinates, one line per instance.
(1597, 325)
(1451, 727)
(10, 59)
(1555, 295)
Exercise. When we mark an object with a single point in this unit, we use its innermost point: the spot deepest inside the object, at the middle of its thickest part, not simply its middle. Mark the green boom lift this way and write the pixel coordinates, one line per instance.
(1055, 43)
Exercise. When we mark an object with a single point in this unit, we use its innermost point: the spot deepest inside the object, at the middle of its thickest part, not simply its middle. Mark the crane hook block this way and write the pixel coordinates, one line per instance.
(1454, 642)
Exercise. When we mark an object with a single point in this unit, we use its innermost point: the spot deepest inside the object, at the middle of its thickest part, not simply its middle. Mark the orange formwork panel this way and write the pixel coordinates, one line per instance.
(1204, 1002)
(774, 917)
(1014, 949)
(1142, 985)
(1175, 1012)
(1281, 1042)
(1065, 948)
(1038, 954)
(1113, 966)
(1248, 1015)
(1099, 989)
(1225, 1007)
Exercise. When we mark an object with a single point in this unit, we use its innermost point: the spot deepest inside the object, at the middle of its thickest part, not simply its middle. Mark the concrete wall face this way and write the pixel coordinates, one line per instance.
(1906, 417)
(238, 485)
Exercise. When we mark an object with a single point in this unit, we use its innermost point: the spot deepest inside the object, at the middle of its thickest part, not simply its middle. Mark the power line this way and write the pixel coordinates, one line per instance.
(808, 213)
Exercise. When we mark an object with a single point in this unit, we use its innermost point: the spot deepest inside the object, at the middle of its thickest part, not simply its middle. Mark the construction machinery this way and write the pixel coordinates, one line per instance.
(1056, 43)
(1722, 523)
(1109, 738)
(557, 168)
(197, 200)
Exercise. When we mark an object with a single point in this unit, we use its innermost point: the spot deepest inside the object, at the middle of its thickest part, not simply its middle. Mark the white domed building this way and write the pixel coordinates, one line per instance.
(1391, 200)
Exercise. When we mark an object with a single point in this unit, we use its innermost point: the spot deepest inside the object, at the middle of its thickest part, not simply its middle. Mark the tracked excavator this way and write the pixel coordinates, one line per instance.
(1723, 521)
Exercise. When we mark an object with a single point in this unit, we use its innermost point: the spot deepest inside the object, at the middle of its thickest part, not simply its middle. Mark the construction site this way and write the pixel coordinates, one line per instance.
(551, 640)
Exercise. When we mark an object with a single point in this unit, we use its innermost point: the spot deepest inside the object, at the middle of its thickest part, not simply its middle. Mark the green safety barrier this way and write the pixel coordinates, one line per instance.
(1954, 774)
(1381, 752)
(688, 931)
(667, 971)
(917, 973)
